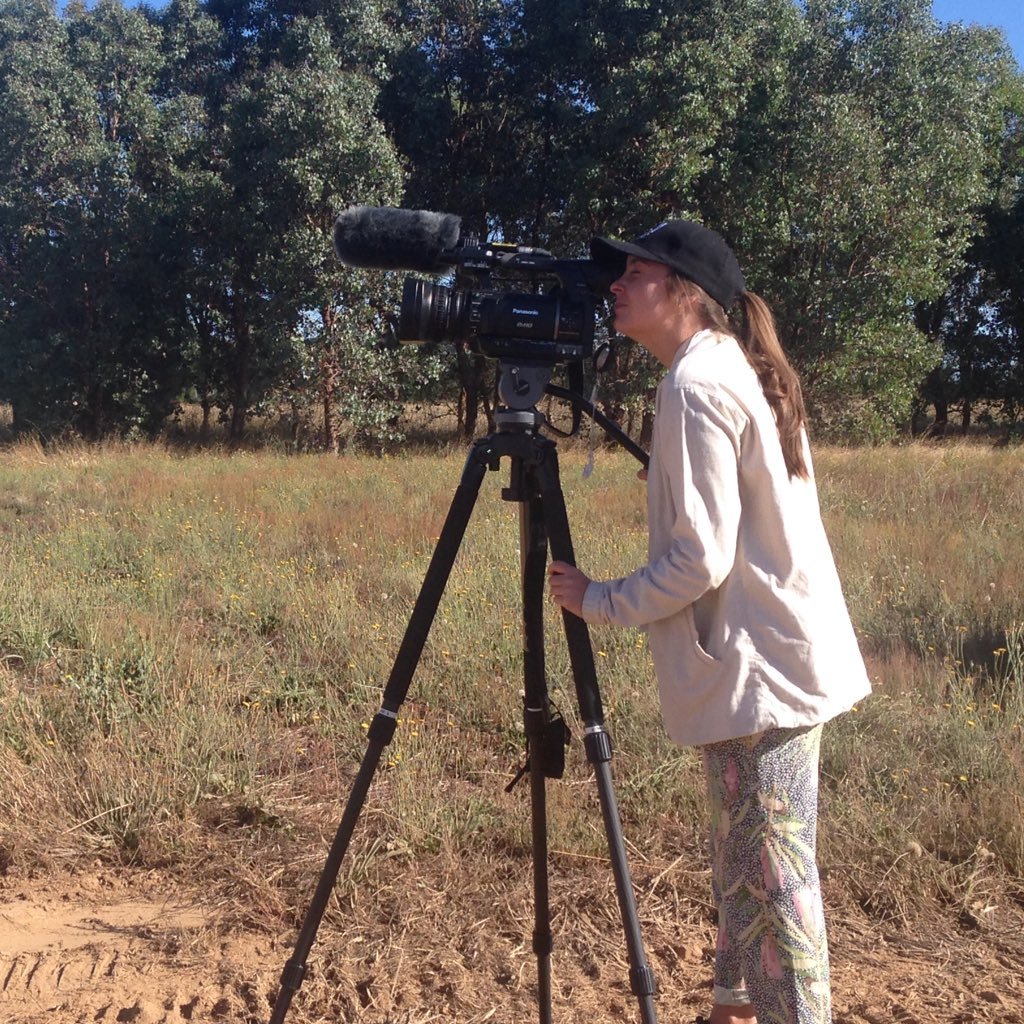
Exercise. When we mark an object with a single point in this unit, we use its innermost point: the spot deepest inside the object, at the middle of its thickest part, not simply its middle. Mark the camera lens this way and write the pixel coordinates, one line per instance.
(430, 312)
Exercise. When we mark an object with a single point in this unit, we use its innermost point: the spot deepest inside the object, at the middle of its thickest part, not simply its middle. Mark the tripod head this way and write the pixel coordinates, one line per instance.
(522, 383)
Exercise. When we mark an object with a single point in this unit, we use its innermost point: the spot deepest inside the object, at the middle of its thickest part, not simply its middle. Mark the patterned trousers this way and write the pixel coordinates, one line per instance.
(771, 949)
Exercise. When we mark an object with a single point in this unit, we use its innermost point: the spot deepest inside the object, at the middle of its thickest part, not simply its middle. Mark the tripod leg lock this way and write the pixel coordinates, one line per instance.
(293, 975)
(598, 745)
(641, 981)
(383, 726)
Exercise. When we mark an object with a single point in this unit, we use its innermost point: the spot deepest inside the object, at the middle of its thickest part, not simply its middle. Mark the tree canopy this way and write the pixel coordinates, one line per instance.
(169, 178)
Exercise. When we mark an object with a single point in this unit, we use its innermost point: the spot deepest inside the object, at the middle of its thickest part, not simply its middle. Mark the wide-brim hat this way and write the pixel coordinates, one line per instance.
(696, 252)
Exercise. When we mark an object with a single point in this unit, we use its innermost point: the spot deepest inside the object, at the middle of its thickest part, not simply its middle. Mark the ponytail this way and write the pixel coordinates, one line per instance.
(755, 331)
(779, 381)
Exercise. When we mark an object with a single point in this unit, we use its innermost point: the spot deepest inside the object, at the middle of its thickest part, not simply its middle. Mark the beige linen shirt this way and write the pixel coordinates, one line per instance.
(746, 620)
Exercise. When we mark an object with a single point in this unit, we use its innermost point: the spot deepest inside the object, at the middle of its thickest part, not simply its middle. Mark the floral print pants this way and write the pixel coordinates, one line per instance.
(771, 949)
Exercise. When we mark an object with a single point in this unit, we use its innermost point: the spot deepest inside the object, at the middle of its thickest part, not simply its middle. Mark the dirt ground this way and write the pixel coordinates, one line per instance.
(118, 945)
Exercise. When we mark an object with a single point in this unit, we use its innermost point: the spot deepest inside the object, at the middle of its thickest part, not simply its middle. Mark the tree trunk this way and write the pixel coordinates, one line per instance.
(240, 388)
(917, 423)
(615, 412)
(204, 428)
(329, 376)
(646, 429)
(329, 372)
(470, 377)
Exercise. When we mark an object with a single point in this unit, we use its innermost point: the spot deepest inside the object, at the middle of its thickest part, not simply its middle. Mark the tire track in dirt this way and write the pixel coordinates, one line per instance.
(118, 962)
(89, 985)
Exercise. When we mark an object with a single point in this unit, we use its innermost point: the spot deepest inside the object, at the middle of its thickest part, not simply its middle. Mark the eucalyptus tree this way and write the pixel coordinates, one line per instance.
(86, 331)
(449, 103)
(291, 137)
(843, 147)
(635, 106)
(543, 122)
(854, 185)
(168, 181)
(1012, 311)
(717, 64)
(979, 319)
(1005, 238)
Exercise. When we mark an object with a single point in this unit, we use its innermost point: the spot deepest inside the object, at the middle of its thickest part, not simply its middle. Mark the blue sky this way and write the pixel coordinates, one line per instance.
(1005, 14)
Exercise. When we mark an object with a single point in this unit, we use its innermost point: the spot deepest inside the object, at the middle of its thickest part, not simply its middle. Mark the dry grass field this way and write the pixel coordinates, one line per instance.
(193, 643)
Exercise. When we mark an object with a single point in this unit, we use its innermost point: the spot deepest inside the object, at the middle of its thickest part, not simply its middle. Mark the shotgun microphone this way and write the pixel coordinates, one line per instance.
(384, 238)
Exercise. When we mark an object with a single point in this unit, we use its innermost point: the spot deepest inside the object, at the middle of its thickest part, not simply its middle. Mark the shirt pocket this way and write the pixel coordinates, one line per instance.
(690, 626)
(690, 681)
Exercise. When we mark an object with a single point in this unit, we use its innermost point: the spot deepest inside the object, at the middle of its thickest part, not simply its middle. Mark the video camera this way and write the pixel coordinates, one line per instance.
(550, 327)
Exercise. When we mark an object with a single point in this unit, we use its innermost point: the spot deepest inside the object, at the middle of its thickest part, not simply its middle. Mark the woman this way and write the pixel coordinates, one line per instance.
(749, 633)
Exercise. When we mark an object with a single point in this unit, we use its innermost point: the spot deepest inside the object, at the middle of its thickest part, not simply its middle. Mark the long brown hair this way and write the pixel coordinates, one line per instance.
(755, 330)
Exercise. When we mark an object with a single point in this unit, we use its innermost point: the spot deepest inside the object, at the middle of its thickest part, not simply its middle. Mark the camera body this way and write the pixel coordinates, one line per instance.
(549, 327)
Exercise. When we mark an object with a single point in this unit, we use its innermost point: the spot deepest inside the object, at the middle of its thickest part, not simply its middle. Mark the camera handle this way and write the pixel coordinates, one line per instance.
(535, 486)
(609, 425)
(521, 384)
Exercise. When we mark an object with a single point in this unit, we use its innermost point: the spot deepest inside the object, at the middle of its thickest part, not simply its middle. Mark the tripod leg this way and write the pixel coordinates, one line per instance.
(382, 728)
(537, 717)
(597, 742)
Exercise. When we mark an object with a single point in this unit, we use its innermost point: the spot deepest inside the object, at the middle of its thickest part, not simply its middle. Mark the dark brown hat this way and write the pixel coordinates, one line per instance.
(696, 252)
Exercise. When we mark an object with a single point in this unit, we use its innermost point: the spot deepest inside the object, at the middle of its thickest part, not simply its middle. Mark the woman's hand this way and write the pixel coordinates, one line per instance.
(567, 585)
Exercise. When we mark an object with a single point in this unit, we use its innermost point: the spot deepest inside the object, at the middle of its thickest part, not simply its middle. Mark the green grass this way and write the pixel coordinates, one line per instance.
(191, 647)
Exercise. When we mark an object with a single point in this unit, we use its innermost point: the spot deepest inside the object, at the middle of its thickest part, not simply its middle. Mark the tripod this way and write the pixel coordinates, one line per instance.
(534, 484)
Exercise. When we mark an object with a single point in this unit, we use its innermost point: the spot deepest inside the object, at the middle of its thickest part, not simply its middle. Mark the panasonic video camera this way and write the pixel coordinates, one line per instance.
(550, 323)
